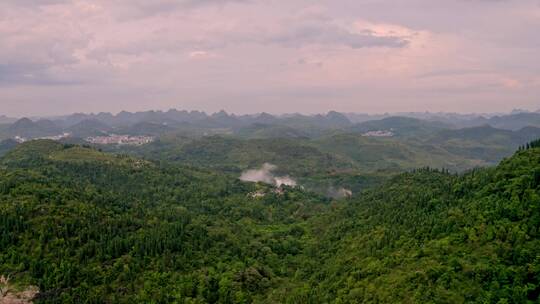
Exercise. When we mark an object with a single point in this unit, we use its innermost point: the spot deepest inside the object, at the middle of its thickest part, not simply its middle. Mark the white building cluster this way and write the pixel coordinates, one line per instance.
(115, 139)
(21, 139)
(379, 133)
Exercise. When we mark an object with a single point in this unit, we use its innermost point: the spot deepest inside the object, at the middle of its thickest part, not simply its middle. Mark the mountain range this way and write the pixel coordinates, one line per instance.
(405, 124)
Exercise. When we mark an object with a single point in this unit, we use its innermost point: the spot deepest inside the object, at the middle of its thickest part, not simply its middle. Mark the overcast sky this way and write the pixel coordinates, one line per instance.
(246, 56)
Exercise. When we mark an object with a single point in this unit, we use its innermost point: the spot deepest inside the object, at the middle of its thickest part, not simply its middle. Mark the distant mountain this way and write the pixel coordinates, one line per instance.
(518, 119)
(515, 121)
(73, 119)
(265, 118)
(363, 117)
(484, 142)
(185, 116)
(337, 120)
(22, 124)
(262, 118)
(221, 119)
(145, 128)
(89, 127)
(402, 124)
(7, 120)
(529, 133)
(456, 119)
(27, 128)
(476, 134)
(124, 118)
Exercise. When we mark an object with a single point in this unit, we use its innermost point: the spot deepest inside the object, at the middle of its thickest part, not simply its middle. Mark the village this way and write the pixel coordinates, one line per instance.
(114, 139)
(379, 133)
(21, 139)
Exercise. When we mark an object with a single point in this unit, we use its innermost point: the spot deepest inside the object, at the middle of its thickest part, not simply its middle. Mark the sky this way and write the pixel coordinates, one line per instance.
(249, 56)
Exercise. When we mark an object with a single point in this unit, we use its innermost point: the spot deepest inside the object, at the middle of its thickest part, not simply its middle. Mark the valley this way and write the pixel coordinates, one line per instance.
(321, 152)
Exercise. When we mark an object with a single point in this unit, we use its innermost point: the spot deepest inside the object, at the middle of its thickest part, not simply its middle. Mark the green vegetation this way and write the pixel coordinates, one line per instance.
(91, 227)
(433, 237)
(321, 152)
(6, 146)
(337, 159)
(312, 167)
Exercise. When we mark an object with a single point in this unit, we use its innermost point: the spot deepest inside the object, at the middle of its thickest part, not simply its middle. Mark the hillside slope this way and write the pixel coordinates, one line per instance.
(86, 226)
(83, 225)
(433, 237)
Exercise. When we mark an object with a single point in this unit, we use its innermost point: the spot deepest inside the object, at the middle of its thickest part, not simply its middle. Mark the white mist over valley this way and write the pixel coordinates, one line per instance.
(265, 175)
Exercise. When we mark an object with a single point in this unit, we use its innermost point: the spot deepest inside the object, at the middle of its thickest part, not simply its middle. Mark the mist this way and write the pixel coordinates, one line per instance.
(265, 175)
(338, 193)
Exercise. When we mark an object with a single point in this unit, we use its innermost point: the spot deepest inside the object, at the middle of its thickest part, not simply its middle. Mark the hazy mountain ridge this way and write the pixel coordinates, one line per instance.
(25, 127)
(310, 125)
(7, 120)
(322, 150)
(147, 123)
(89, 127)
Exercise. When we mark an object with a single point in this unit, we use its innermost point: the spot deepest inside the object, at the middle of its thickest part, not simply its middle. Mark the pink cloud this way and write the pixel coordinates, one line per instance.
(350, 55)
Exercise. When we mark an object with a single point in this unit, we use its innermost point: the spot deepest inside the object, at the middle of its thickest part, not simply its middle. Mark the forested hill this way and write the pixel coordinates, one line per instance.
(86, 226)
(432, 237)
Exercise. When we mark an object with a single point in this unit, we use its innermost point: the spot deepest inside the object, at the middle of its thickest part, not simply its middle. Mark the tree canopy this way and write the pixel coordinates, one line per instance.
(92, 227)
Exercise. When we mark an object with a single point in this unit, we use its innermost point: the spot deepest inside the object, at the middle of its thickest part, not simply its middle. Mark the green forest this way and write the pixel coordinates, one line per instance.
(85, 226)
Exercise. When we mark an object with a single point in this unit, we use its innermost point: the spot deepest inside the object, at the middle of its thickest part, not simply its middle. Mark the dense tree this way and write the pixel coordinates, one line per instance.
(91, 227)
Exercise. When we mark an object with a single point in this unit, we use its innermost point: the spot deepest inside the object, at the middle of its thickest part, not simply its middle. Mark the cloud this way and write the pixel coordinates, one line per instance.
(135, 9)
(32, 3)
(454, 72)
(154, 6)
(511, 83)
(328, 34)
(22, 74)
(35, 52)
(164, 36)
(273, 56)
(201, 55)
(315, 25)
